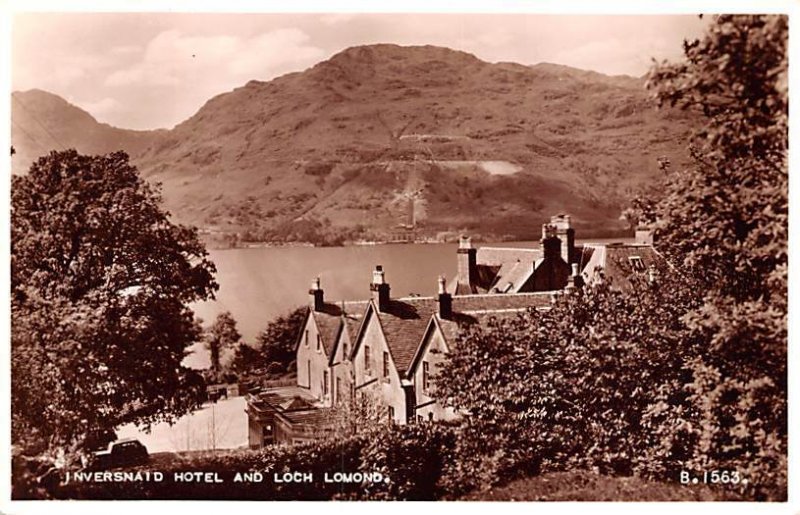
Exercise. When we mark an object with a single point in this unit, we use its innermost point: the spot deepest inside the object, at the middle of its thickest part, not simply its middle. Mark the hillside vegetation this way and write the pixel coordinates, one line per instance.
(350, 147)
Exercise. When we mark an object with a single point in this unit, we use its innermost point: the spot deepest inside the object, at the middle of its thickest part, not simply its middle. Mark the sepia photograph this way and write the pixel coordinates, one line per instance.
(384, 256)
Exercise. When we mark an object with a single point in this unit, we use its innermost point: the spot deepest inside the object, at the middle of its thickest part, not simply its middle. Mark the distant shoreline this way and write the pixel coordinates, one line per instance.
(369, 243)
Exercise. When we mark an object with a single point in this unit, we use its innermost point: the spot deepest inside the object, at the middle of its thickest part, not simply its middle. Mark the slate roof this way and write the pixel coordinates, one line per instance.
(486, 275)
(317, 417)
(329, 320)
(293, 403)
(405, 320)
(500, 269)
(494, 302)
(282, 398)
(353, 321)
(614, 260)
(403, 323)
(499, 256)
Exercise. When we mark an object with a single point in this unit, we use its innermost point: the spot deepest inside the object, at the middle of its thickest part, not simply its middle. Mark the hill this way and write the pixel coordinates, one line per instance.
(42, 121)
(382, 137)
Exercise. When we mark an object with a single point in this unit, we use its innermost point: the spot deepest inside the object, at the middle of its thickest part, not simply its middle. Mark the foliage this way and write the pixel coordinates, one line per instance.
(726, 221)
(606, 380)
(220, 336)
(277, 340)
(726, 217)
(410, 456)
(317, 458)
(246, 359)
(686, 376)
(413, 457)
(100, 284)
(274, 350)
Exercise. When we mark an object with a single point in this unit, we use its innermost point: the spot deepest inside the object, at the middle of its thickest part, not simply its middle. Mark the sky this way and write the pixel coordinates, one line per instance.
(154, 70)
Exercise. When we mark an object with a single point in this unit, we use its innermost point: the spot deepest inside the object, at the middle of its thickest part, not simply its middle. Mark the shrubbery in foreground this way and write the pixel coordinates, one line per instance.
(411, 457)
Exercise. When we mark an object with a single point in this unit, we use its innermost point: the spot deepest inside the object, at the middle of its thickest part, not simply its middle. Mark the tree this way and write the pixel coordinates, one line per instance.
(725, 220)
(689, 375)
(571, 386)
(246, 358)
(277, 340)
(101, 281)
(220, 336)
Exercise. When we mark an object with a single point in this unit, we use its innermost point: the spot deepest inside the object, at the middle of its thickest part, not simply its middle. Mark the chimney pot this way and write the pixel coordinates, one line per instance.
(380, 289)
(445, 300)
(561, 227)
(575, 280)
(317, 295)
(378, 276)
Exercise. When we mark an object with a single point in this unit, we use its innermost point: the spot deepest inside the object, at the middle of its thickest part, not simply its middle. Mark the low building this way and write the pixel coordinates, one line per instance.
(286, 415)
(391, 349)
(518, 270)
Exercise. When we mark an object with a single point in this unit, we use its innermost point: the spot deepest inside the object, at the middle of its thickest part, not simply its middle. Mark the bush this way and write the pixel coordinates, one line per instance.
(316, 457)
(413, 457)
(275, 368)
(612, 381)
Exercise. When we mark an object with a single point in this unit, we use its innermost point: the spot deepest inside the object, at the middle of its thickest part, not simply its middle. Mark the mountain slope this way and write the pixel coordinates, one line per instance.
(42, 121)
(352, 146)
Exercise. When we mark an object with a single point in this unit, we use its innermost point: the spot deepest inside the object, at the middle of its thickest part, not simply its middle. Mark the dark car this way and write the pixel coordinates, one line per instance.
(120, 453)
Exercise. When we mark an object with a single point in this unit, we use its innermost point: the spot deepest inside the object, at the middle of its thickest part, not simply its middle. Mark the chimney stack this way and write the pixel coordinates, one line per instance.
(565, 233)
(575, 280)
(445, 300)
(467, 262)
(551, 244)
(379, 289)
(317, 295)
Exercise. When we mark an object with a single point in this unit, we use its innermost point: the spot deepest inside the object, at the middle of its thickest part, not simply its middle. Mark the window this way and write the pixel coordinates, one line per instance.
(420, 419)
(306, 338)
(319, 343)
(430, 416)
(391, 413)
(344, 350)
(637, 264)
(338, 393)
(309, 373)
(425, 376)
(385, 364)
(325, 382)
(366, 358)
(266, 435)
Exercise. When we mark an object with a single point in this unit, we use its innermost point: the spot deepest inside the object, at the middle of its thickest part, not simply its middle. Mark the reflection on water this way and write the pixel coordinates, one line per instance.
(258, 284)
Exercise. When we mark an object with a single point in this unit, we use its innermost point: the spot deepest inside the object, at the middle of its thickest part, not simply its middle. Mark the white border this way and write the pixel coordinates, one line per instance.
(8, 7)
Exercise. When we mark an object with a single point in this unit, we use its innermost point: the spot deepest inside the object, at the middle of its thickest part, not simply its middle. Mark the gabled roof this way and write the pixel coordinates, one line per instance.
(403, 324)
(486, 275)
(329, 321)
(281, 398)
(501, 270)
(470, 309)
(350, 322)
(512, 276)
(619, 262)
